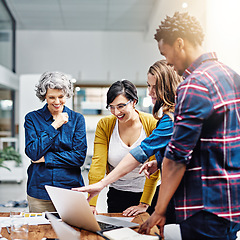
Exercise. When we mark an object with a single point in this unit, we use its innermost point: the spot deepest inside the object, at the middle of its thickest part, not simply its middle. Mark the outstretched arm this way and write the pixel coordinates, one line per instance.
(127, 164)
(149, 168)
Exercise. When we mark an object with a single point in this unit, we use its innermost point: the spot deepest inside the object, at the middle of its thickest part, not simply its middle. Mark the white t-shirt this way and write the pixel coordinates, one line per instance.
(132, 181)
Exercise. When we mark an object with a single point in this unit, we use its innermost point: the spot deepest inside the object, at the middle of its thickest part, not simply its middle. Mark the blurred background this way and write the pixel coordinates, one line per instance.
(95, 42)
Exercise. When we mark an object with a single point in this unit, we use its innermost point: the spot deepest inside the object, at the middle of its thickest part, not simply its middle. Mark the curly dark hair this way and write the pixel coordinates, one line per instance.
(180, 25)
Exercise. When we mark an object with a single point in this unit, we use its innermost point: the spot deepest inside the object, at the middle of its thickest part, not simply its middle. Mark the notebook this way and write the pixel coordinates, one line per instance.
(74, 209)
(126, 234)
(63, 230)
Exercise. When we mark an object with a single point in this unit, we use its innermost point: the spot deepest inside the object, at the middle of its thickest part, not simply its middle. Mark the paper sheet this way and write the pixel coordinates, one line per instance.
(127, 233)
(31, 218)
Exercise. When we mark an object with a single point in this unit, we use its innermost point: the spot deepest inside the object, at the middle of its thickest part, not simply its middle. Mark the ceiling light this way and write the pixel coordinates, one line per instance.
(184, 5)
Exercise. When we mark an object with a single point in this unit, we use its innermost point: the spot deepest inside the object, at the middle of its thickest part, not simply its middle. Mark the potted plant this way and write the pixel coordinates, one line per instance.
(10, 165)
(10, 154)
(2, 164)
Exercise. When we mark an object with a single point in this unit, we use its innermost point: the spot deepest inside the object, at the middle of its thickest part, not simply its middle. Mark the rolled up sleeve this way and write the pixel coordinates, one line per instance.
(193, 106)
(156, 142)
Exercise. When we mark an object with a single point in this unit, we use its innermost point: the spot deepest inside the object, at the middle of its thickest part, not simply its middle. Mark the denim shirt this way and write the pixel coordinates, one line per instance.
(64, 151)
(156, 143)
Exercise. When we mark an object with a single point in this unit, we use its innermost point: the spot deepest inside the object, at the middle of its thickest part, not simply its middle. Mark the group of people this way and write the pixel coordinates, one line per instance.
(192, 139)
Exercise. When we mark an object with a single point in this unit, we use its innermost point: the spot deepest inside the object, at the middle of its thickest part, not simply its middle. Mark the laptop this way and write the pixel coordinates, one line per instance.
(63, 230)
(74, 209)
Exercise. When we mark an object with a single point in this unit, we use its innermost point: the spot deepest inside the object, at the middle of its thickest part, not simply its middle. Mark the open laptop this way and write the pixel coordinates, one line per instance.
(63, 230)
(74, 209)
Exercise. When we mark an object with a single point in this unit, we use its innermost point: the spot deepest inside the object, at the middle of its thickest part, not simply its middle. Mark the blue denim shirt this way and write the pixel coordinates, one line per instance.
(156, 143)
(64, 151)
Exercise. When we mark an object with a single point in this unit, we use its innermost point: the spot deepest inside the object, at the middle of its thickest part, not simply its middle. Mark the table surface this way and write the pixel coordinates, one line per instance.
(45, 231)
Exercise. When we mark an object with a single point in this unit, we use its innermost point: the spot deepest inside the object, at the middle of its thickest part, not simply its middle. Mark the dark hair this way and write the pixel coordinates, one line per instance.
(125, 88)
(180, 25)
(167, 81)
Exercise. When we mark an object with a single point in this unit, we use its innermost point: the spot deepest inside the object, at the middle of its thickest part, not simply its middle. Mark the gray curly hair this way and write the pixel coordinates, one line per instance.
(53, 80)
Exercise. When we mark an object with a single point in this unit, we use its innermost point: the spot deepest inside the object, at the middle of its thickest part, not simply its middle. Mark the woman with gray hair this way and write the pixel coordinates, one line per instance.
(55, 141)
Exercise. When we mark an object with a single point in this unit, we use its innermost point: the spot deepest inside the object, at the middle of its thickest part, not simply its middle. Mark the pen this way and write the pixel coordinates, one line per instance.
(160, 238)
(8, 230)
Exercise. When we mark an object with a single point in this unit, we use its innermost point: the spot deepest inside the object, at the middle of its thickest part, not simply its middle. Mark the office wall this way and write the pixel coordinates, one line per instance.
(222, 31)
(100, 57)
(93, 57)
(8, 79)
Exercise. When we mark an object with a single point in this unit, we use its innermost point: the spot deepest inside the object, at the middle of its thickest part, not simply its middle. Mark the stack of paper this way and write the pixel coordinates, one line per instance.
(35, 218)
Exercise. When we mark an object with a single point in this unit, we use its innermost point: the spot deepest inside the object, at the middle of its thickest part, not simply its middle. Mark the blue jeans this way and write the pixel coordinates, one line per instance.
(205, 226)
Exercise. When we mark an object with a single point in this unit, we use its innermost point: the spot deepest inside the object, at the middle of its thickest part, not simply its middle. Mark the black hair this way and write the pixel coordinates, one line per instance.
(180, 25)
(125, 88)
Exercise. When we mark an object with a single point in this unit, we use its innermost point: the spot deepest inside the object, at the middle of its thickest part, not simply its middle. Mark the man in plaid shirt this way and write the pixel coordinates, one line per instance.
(201, 167)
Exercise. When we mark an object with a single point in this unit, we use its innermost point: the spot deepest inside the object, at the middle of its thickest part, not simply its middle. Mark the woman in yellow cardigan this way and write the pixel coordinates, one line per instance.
(115, 136)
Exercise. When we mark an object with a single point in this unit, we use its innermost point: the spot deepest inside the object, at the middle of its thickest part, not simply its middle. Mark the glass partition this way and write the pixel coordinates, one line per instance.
(6, 106)
(7, 37)
(92, 100)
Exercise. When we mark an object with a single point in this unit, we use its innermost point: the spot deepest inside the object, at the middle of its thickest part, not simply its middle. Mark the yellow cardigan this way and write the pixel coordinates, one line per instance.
(99, 164)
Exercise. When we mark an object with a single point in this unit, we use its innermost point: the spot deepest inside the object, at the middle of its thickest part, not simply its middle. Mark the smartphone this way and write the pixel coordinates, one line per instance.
(55, 214)
(50, 239)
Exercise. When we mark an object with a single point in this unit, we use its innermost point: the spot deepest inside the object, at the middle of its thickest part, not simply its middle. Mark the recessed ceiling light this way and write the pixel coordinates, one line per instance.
(184, 5)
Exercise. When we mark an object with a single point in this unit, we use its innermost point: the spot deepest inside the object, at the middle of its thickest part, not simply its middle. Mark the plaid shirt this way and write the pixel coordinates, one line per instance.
(206, 138)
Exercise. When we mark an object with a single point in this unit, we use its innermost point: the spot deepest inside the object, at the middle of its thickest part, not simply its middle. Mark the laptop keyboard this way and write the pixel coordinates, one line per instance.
(106, 226)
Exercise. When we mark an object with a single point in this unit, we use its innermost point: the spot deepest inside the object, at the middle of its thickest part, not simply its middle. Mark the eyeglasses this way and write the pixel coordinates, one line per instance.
(119, 107)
